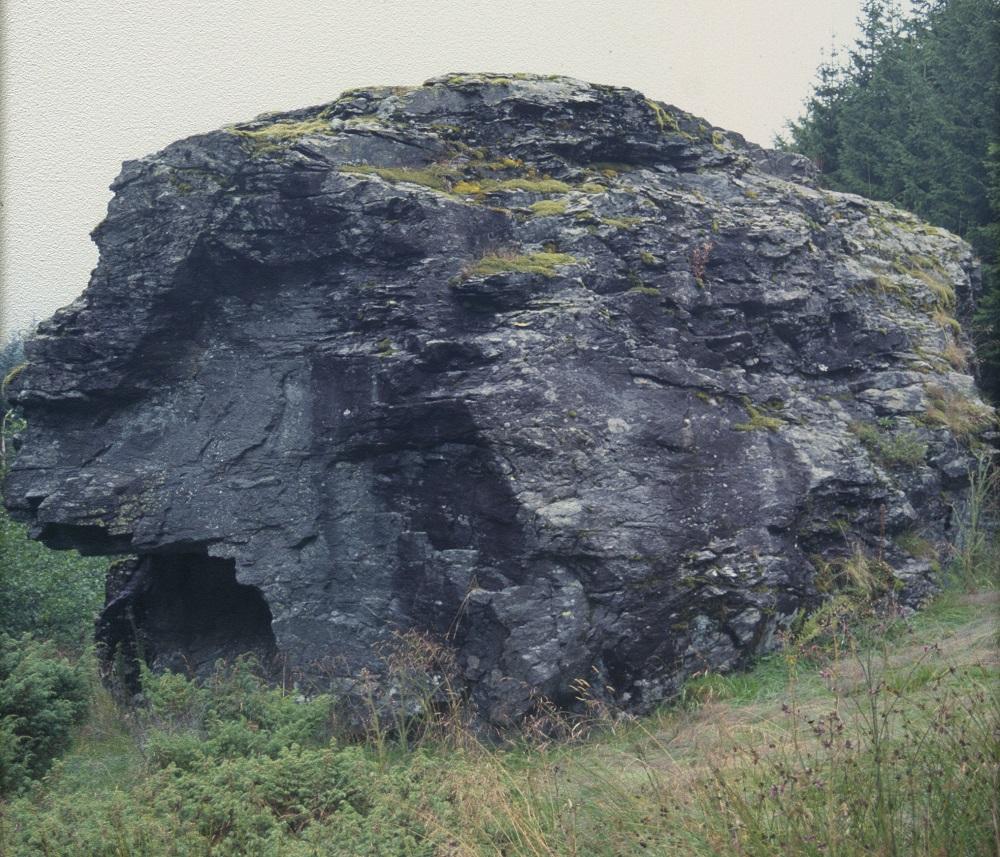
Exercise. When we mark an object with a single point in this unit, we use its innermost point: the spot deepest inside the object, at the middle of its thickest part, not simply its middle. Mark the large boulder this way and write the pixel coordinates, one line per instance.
(569, 378)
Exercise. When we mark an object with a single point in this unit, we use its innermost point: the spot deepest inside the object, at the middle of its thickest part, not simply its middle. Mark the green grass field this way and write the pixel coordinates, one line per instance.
(883, 740)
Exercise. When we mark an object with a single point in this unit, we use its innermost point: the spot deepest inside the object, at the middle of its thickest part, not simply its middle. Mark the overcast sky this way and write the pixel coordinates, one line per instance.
(90, 83)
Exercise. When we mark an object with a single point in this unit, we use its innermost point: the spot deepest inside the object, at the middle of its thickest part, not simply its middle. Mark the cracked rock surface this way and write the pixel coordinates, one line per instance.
(571, 378)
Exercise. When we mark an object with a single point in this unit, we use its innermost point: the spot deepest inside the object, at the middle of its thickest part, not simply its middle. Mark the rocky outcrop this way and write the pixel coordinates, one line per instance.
(569, 377)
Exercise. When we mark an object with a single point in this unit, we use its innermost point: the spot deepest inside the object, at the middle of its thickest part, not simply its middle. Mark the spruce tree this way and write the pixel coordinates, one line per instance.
(912, 117)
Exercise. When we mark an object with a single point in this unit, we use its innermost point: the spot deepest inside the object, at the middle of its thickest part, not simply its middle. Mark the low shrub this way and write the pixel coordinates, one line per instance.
(42, 697)
(52, 595)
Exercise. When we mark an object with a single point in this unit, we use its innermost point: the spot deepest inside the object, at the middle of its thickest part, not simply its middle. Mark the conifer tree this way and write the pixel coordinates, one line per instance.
(913, 117)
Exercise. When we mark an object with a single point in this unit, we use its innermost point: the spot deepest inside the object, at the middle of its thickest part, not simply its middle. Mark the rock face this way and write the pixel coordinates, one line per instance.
(566, 376)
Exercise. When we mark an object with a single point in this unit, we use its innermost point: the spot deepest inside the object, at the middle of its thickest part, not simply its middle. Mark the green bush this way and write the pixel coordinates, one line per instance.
(233, 714)
(232, 767)
(50, 594)
(42, 697)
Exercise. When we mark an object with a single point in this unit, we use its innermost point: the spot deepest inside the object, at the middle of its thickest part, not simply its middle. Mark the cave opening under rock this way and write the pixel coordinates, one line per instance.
(183, 612)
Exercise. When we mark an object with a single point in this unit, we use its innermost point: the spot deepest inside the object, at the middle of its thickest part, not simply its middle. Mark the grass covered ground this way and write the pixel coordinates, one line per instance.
(875, 738)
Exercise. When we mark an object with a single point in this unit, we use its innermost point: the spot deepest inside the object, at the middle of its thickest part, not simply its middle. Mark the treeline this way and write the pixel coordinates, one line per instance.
(910, 115)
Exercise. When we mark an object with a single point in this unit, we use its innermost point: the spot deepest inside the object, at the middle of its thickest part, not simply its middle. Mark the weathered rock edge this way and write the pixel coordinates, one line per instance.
(565, 376)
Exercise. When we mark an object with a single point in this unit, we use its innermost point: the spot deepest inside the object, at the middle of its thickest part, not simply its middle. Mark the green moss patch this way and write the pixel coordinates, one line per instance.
(664, 118)
(759, 421)
(279, 135)
(549, 207)
(542, 263)
(435, 176)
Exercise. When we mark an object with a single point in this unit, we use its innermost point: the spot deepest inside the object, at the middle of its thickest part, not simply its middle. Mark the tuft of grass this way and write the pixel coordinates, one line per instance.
(543, 263)
(435, 176)
(549, 207)
(956, 356)
(932, 274)
(962, 416)
(917, 546)
(758, 421)
(946, 321)
(8, 379)
(977, 551)
(893, 449)
(279, 135)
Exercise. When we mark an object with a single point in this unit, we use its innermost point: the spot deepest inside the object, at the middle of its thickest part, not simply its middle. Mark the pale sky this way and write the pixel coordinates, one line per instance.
(90, 83)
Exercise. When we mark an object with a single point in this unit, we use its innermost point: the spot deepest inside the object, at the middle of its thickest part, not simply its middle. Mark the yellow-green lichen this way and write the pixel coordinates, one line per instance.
(526, 184)
(611, 169)
(505, 164)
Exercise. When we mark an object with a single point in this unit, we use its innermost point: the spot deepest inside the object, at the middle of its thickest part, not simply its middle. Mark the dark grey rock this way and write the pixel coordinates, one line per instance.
(574, 380)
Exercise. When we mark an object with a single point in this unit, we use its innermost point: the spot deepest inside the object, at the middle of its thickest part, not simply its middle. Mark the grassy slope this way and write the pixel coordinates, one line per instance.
(780, 760)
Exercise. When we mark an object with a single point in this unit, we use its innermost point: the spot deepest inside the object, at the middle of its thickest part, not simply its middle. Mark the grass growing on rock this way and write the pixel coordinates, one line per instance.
(961, 415)
(549, 207)
(542, 263)
(932, 274)
(758, 419)
(280, 134)
(435, 176)
(902, 448)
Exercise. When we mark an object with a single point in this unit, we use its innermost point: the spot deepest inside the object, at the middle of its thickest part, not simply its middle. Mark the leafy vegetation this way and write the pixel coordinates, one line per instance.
(42, 696)
(913, 116)
(52, 596)
(874, 737)
(902, 448)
